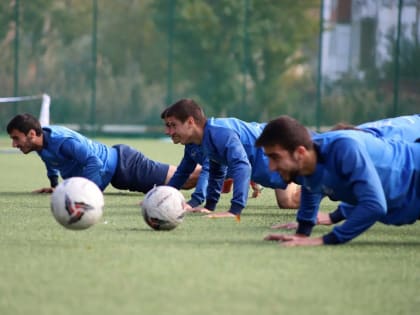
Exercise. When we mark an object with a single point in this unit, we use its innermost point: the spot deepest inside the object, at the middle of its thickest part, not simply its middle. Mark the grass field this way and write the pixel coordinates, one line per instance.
(205, 266)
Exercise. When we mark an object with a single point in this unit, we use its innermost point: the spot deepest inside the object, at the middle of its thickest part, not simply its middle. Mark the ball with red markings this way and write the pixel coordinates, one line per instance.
(163, 208)
(77, 203)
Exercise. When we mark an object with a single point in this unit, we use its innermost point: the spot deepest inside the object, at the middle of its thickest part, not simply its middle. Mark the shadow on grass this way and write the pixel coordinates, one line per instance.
(121, 213)
(20, 193)
(217, 240)
(384, 244)
(123, 193)
(257, 213)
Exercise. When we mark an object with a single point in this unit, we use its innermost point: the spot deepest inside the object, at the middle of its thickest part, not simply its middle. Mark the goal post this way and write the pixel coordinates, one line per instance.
(44, 113)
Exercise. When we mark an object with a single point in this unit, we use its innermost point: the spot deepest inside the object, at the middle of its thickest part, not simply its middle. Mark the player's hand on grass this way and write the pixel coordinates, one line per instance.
(322, 219)
(220, 215)
(199, 210)
(289, 240)
(187, 207)
(45, 190)
(285, 226)
(299, 240)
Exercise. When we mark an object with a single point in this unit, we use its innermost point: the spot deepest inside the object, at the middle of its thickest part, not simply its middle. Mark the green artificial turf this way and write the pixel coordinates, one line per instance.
(203, 267)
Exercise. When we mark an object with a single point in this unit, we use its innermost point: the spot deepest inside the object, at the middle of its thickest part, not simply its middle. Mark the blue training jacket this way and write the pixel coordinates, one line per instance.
(228, 145)
(379, 177)
(405, 128)
(193, 155)
(399, 128)
(68, 154)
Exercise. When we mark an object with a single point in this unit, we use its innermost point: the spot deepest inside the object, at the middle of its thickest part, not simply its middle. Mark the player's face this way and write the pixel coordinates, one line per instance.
(178, 131)
(282, 161)
(24, 143)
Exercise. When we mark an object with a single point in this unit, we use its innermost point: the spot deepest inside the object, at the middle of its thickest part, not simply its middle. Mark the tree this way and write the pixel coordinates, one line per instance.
(221, 46)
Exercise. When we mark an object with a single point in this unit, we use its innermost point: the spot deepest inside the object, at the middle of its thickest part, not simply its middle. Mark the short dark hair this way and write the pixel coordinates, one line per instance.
(286, 132)
(183, 109)
(24, 123)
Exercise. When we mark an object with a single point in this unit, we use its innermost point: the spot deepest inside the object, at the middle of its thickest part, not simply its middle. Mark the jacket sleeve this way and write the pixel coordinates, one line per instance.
(199, 194)
(52, 175)
(217, 174)
(183, 171)
(308, 210)
(240, 170)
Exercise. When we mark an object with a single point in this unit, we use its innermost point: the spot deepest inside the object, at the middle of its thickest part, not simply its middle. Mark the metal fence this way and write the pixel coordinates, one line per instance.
(121, 62)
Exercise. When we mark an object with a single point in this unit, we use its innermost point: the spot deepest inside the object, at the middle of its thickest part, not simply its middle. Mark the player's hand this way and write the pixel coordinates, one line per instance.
(221, 215)
(45, 190)
(187, 207)
(288, 240)
(199, 210)
(285, 226)
(322, 219)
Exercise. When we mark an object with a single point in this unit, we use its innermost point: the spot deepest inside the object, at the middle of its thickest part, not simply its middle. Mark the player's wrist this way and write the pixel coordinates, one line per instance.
(53, 181)
(193, 202)
(235, 209)
(336, 216)
(210, 205)
(304, 228)
(330, 239)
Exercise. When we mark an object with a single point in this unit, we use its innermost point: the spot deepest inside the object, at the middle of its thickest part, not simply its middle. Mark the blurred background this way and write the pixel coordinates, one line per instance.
(120, 63)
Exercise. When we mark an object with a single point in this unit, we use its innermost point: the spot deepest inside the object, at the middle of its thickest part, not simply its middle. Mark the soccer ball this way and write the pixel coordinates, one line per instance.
(163, 208)
(77, 203)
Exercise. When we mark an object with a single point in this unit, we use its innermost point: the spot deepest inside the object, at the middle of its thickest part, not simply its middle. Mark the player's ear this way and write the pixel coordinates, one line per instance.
(299, 152)
(31, 133)
(190, 120)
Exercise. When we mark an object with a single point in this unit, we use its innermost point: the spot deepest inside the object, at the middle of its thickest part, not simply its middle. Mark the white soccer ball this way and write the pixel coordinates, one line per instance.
(77, 203)
(163, 208)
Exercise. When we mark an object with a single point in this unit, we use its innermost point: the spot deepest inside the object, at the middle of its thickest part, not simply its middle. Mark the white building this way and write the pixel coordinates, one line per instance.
(357, 34)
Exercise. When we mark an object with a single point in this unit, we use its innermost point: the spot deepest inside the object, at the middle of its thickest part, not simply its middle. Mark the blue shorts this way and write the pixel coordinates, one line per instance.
(136, 172)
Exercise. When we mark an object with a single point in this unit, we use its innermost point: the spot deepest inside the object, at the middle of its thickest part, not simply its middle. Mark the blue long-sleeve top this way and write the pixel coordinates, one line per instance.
(229, 145)
(68, 154)
(193, 155)
(227, 148)
(379, 177)
(405, 128)
(399, 128)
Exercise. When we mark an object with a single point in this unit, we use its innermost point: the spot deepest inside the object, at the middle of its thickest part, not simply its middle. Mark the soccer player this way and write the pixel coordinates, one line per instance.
(229, 147)
(405, 128)
(379, 177)
(67, 153)
(194, 156)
